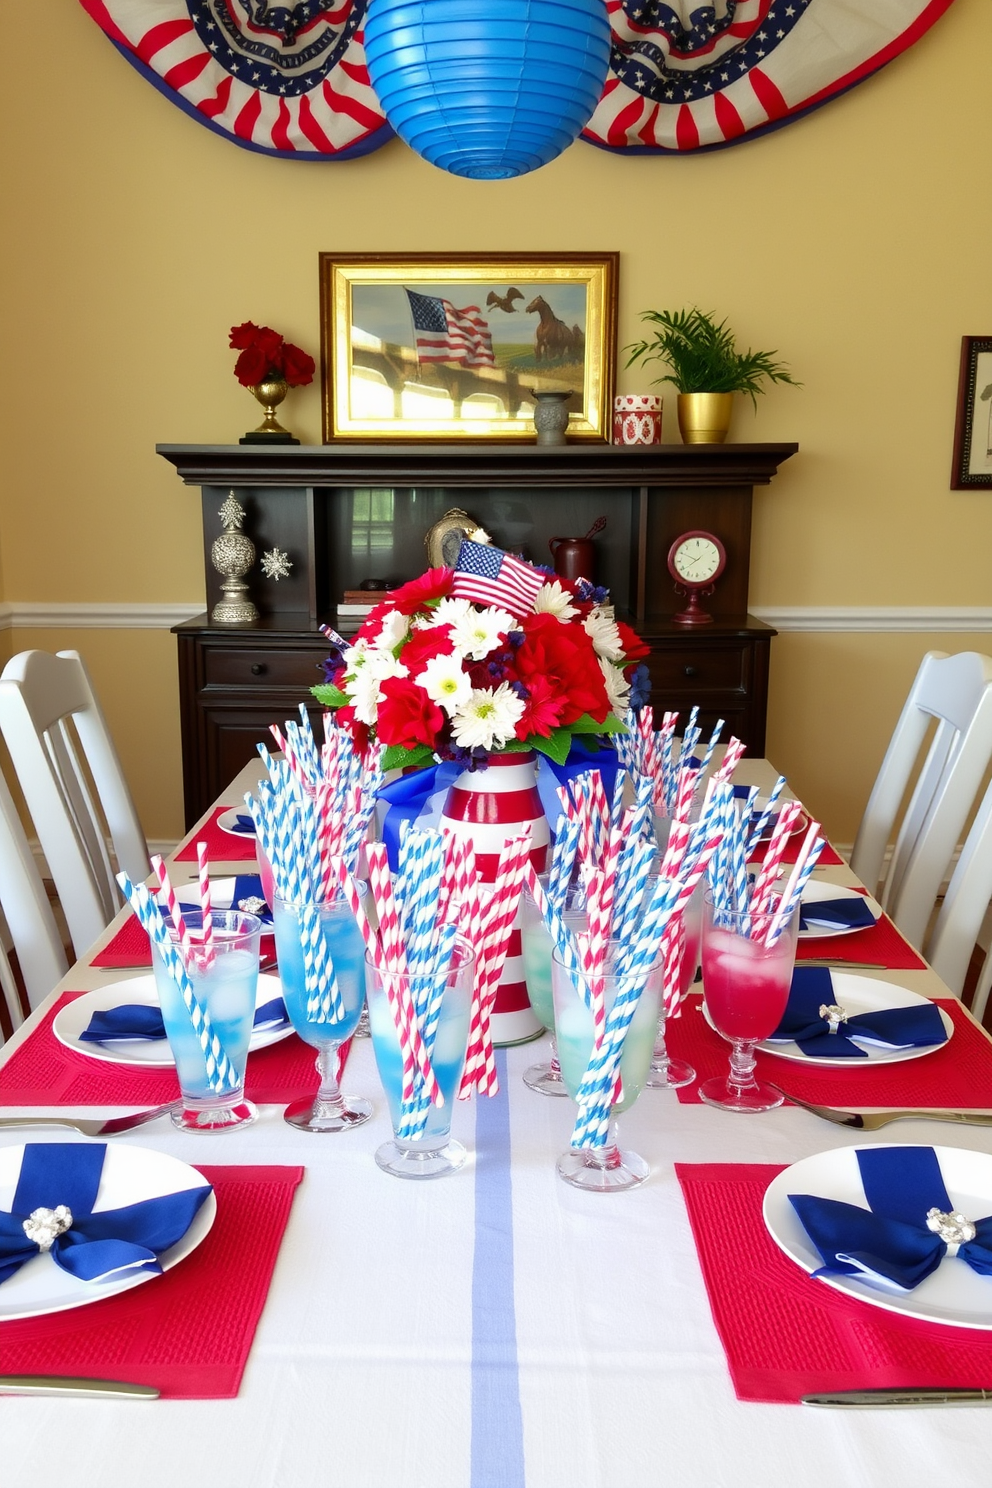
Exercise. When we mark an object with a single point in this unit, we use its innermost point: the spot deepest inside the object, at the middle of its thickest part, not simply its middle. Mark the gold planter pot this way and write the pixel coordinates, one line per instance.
(704, 418)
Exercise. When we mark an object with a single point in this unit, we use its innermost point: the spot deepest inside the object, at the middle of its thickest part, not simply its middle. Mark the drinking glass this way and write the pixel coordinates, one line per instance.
(667, 1073)
(746, 987)
(329, 1110)
(226, 986)
(433, 1154)
(536, 944)
(605, 1169)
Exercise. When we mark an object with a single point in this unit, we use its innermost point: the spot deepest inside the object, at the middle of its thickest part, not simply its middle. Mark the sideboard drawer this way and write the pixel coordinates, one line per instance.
(224, 666)
(698, 669)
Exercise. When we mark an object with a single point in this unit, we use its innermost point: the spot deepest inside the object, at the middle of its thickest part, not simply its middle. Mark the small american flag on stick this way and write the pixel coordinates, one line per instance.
(489, 576)
(444, 334)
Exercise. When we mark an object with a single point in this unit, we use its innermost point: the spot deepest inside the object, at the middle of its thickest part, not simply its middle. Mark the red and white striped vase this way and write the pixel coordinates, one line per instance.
(488, 807)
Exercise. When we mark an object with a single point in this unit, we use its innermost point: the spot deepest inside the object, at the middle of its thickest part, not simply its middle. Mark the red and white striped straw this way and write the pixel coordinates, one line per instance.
(283, 744)
(785, 904)
(503, 907)
(206, 913)
(175, 913)
(774, 853)
(731, 759)
(394, 960)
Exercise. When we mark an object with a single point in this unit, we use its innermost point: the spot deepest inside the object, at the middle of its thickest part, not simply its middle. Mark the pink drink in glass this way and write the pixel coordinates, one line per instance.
(747, 983)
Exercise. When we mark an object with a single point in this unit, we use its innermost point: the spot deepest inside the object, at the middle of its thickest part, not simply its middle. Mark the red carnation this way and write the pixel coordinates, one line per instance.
(372, 624)
(434, 584)
(543, 708)
(244, 335)
(345, 718)
(634, 649)
(424, 645)
(251, 367)
(297, 366)
(563, 654)
(406, 715)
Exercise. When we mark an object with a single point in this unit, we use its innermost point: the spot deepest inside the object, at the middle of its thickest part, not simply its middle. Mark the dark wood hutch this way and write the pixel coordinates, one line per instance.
(347, 512)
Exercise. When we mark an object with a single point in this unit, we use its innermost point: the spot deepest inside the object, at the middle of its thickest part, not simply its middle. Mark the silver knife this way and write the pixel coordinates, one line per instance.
(56, 1384)
(906, 1398)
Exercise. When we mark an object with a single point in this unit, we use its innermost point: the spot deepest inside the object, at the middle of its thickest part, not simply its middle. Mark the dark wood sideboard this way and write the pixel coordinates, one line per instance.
(350, 512)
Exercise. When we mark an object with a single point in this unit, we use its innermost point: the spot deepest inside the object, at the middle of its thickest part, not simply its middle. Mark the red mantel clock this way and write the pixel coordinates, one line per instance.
(695, 561)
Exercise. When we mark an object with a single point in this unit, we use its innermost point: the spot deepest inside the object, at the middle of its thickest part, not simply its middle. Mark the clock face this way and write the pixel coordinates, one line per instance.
(697, 558)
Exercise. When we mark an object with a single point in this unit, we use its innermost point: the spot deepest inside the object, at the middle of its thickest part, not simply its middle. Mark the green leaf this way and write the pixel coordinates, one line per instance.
(329, 695)
(588, 725)
(556, 746)
(516, 746)
(399, 757)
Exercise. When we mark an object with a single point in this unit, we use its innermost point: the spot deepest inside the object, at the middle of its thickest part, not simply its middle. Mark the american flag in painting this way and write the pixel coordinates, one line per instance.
(444, 334)
(488, 576)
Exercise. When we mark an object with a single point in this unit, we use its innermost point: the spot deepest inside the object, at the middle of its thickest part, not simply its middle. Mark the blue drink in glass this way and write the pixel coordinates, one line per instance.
(225, 986)
(329, 1111)
(536, 946)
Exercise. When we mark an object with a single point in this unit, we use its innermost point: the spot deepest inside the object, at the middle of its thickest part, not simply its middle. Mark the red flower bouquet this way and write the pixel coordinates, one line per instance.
(435, 672)
(265, 355)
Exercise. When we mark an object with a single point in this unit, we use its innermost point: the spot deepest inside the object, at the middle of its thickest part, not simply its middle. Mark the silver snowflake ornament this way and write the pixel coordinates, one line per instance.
(232, 513)
(276, 564)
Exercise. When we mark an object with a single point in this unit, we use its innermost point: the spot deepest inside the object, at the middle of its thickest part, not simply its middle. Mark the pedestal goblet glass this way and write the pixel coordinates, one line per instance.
(329, 1110)
(746, 984)
(605, 1169)
(432, 1154)
(667, 1073)
(225, 984)
(536, 946)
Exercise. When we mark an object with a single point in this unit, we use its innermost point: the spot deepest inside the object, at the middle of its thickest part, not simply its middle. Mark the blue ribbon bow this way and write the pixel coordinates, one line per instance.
(843, 914)
(138, 1020)
(898, 1028)
(896, 1241)
(63, 1179)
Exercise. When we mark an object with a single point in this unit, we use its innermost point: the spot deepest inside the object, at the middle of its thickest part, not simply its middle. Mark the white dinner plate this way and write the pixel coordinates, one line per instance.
(954, 1294)
(152, 1053)
(858, 994)
(228, 822)
(815, 892)
(130, 1175)
(221, 896)
(799, 825)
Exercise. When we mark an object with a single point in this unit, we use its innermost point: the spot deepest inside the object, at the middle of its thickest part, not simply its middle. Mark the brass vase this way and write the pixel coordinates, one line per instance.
(704, 418)
(270, 393)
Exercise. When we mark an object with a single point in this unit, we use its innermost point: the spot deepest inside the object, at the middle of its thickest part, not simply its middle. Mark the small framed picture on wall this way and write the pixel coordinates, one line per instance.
(973, 425)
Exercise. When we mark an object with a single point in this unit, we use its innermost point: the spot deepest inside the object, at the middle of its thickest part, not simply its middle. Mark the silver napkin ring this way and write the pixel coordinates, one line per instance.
(833, 1014)
(253, 905)
(44, 1226)
(953, 1228)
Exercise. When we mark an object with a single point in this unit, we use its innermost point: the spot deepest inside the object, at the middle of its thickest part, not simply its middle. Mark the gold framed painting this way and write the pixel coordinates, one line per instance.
(457, 346)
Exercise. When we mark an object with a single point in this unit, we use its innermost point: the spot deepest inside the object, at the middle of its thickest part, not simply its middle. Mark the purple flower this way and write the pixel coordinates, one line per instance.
(476, 758)
(640, 687)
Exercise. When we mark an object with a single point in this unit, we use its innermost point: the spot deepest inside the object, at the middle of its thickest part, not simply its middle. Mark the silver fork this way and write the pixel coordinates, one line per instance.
(872, 1120)
(109, 1128)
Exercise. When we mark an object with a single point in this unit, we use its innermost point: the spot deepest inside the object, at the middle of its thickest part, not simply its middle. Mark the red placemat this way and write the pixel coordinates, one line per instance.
(786, 1335)
(131, 947)
(882, 945)
(223, 847)
(43, 1072)
(829, 858)
(957, 1076)
(189, 1331)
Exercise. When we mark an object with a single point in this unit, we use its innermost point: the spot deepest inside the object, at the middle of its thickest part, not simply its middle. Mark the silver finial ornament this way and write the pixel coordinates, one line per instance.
(276, 564)
(44, 1226)
(954, 1229)
(232, 555)
(833, 1014)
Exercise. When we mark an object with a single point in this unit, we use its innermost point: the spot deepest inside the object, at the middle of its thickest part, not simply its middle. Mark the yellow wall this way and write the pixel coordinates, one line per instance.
(856, 242)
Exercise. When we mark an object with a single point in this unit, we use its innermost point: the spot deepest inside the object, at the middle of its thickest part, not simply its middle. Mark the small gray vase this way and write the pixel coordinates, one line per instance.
(550, 416)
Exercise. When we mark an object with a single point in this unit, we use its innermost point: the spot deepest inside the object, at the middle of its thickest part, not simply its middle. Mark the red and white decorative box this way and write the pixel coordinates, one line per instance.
(636, 419)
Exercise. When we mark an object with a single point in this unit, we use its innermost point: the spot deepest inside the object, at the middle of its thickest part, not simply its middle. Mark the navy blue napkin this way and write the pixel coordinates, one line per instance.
(243, 825)
(94, 1247)
(136, 1020)
(890, 1242)
(845, 914)
(812, 988)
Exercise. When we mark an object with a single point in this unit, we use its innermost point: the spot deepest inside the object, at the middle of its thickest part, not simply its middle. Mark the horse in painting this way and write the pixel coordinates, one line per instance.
(553, 339)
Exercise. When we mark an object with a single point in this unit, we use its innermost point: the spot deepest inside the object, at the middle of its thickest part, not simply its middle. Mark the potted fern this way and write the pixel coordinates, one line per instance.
(707, 369)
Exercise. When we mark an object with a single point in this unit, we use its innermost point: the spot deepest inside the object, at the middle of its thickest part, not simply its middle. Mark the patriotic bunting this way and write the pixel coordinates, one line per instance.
(290, 79)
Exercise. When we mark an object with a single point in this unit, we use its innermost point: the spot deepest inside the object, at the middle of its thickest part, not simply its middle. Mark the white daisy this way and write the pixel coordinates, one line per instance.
(383, 664)
(488, 719)
(602, 630)
(445, 683)
(395, 629)
(448, 611)
(478, 632)
(617, 686)
(554, 600)
(363, 693)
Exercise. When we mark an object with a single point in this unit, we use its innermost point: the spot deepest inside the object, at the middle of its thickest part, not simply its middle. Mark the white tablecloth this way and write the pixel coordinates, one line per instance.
(497, 1329)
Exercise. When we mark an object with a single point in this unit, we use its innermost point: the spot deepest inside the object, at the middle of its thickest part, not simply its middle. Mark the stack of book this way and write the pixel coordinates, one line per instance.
(355, 605)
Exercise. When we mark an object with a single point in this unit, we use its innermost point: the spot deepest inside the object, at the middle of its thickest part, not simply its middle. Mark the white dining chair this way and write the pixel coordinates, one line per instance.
(954, 693)
(72, 781)
(28, 916)
(955, 933)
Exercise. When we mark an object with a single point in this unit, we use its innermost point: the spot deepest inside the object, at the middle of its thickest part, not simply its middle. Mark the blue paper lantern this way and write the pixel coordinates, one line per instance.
(488, 88)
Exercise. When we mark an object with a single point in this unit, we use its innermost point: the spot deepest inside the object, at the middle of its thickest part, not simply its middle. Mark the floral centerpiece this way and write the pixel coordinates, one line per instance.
(267, 357)
(492, 657)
